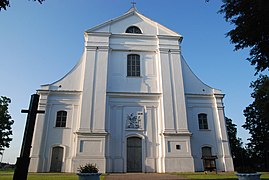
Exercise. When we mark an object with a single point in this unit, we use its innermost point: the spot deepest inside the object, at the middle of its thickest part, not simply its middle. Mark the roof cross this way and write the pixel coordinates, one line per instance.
(133, 4)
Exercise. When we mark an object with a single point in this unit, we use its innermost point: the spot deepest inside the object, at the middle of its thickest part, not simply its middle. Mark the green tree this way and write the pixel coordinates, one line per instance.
(237, 150)
(257, 122)
(5, 123)
(5, 3)
(251, 29)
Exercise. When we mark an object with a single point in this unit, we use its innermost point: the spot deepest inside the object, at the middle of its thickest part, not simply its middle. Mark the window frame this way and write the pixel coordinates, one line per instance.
(133, 65)
(61, 117)
(134, 30)
(203, 121)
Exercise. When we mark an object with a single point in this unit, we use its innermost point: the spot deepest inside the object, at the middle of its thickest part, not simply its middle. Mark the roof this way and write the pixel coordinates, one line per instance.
(133, 12)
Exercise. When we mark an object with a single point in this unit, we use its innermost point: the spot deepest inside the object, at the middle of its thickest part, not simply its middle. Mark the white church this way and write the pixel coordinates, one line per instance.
(131, 104)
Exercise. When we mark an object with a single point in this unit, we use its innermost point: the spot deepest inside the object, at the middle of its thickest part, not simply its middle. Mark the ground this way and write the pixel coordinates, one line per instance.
(8, 174)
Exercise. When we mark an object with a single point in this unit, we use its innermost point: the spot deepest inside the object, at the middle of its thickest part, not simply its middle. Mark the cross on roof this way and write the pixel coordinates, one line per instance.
(133, 3)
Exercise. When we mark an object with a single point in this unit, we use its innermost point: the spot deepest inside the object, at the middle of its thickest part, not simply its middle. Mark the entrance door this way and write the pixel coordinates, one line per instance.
(134, 154)
(56, 159)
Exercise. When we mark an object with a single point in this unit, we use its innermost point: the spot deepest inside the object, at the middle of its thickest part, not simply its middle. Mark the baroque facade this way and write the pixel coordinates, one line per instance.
(131, 104)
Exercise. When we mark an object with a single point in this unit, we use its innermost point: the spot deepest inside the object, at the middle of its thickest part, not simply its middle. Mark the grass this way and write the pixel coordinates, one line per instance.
(8, 175)
(219, 175)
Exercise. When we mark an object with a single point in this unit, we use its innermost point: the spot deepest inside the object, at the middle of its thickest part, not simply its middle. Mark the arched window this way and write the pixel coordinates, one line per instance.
(134, 30)
(202, 118)
(133, 65)
(61, 119)
(206, 151)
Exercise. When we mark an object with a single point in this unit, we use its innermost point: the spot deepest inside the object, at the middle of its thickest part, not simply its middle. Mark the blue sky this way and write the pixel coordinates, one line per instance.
(39, 44)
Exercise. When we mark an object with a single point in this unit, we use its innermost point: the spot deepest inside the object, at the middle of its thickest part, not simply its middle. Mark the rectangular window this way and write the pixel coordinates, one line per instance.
(168, 146)
(81, 145)
(133, 65)
(178, 147)
(61, 119)
(202, 118)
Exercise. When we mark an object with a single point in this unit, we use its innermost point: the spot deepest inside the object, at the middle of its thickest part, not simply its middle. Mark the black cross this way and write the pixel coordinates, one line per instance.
(133, 4)
(23, 161)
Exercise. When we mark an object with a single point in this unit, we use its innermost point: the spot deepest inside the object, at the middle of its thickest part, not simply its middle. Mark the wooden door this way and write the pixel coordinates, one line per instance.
(56, 159)
(134, 154)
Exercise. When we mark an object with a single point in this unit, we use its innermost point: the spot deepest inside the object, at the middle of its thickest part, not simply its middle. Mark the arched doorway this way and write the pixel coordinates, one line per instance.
(56, 159)
(134, 154)
(209, 161)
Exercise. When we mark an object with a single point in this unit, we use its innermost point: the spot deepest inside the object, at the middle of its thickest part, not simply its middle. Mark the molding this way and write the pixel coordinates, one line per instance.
(173, 49)
(48, 92)
(219, 95)
(178, 38)
(91, 133)
(183, 133)
(198, 95)
(134, 36)
(94, 48)
(98, 33)
(134, 94)
(133, 50)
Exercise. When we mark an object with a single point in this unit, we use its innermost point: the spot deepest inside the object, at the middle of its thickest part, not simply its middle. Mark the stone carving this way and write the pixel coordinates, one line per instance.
(133, 122)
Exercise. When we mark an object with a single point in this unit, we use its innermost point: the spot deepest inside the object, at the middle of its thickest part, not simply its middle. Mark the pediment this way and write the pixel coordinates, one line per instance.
(133, 18)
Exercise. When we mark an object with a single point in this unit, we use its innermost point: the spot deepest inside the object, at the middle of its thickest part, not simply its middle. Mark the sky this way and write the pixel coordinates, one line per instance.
(39, 44)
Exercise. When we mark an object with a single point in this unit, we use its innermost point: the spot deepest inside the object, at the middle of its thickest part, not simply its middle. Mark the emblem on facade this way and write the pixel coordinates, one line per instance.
(134, 122)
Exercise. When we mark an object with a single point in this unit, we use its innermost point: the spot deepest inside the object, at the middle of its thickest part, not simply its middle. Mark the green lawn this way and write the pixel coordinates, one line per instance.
(8, 175)
(213, 175)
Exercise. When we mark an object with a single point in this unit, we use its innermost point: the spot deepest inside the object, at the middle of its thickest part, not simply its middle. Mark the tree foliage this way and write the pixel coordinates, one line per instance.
(257, 121)
(251, 29)
(237, 150)
(5, 3)
(5, 123)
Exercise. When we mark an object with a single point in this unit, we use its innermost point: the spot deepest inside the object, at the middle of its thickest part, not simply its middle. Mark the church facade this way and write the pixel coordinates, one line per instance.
(131, 104)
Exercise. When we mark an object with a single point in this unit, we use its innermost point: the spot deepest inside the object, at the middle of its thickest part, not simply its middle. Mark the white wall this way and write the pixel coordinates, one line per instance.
(117, 73)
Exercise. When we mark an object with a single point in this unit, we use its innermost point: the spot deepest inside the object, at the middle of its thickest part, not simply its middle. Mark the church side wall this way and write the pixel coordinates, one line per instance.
(210, 137)
(53, 136)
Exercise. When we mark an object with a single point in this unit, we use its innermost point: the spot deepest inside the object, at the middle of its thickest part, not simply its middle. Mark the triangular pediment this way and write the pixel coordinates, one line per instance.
(133, 18)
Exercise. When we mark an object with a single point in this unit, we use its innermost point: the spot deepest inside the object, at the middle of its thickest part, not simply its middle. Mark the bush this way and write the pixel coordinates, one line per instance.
(88, 168)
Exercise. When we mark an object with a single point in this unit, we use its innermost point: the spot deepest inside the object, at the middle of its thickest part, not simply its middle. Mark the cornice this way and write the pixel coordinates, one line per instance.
(43, 91)
(91, 133)
(134, 94)
(180, 133)
(133, 36)
(106, 34)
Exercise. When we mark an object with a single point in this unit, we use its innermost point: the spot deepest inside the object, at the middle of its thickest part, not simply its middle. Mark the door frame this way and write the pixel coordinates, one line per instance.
(143, 146)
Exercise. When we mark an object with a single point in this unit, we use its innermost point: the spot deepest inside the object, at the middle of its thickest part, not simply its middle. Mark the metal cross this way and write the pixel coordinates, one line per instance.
(133, 4)
(23, 161)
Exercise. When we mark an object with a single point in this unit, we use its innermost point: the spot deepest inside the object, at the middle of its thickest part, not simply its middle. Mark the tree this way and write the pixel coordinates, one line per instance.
(237, 150)
(251, 29)
(5, 123)
(257, 122)
(5, 3)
